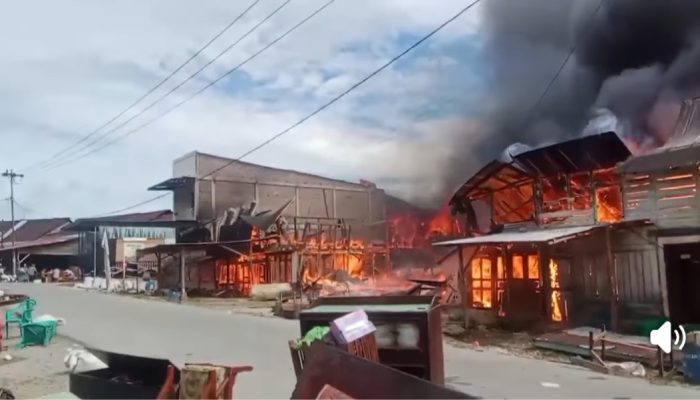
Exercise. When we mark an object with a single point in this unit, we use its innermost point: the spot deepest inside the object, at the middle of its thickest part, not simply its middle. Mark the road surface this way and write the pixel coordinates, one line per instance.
(186, 333)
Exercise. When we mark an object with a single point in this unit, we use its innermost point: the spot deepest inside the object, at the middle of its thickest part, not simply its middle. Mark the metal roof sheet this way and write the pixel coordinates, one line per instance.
(538, 236)
(33, 229)
(47, 240)
(493, 176)
(173, 183)
(588, 153)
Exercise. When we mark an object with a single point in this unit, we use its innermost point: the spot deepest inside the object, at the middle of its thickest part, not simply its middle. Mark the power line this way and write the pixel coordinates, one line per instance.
(27, 210)
(151, 90)
(197, 93)
(350, 89)
(301, 121)
(571, 52)
(86, 146)
(121, 210)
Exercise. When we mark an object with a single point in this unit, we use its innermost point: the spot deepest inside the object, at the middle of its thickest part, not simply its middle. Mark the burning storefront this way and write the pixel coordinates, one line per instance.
(556, 240)
(583, 233)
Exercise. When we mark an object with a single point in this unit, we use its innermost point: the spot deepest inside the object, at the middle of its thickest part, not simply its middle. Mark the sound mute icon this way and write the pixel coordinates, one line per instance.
(662, 337)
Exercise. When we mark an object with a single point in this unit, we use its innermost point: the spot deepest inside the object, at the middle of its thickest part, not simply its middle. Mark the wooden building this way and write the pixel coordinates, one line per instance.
(583, 234)
(285, 226)
(662, 186)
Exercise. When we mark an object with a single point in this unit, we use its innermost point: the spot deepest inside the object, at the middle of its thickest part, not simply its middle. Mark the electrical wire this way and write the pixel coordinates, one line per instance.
(318, 110)
(197, 93)
(164, 96)
(149, 91)
(121, 210)
(350, 89)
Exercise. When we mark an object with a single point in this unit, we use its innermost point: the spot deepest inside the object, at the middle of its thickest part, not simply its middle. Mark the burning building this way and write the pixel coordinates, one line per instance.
(258, 225)
(582, 233)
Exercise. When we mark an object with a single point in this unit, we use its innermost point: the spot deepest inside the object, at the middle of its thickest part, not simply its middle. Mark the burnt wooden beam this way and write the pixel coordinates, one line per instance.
(462, 284)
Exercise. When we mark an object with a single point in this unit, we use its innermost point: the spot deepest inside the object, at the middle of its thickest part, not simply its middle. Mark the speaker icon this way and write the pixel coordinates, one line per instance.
(662, 337)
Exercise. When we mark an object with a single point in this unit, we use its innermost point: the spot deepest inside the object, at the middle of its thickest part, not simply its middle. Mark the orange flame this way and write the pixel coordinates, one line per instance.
(555, 297)
(418, 229)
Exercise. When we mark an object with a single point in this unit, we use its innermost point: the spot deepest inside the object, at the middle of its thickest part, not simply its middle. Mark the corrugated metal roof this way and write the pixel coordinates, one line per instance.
(5, 226)
(33, 229)
(160, 215)
(537, 236)
(681, 150)
(588, 153)
(491, 177)
(267, 218)
(43, 241)
(162, 218)
(173, 183)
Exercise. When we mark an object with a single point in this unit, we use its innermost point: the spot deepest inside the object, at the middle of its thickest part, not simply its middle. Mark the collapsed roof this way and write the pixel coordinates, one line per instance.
(588, 153)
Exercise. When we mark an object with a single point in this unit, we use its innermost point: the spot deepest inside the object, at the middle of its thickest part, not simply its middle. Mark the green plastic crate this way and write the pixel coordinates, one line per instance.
(645, 326)
(37, 333)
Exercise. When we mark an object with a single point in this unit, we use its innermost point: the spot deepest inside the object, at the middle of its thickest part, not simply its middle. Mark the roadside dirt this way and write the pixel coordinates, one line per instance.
(34, 371)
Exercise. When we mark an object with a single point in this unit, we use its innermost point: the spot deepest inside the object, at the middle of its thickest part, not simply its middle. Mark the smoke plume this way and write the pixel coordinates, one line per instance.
(633, 60)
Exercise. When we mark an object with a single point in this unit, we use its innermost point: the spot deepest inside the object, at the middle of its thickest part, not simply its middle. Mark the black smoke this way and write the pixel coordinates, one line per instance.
(637, 59)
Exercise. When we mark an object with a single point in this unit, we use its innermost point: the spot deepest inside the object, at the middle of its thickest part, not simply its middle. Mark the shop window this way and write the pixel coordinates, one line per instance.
(526, 267)
(533, 267)
(482, 292)
(518, 270)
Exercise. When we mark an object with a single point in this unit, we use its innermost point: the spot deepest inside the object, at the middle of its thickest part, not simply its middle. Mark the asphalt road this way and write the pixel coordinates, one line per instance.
(185, 333)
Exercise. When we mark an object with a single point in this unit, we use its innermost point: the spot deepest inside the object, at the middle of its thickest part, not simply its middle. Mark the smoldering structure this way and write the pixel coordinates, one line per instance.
(631, 64)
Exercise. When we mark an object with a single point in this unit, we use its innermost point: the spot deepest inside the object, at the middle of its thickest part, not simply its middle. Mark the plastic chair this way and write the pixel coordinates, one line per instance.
(14, 315)
(18, 315)
(21, 314)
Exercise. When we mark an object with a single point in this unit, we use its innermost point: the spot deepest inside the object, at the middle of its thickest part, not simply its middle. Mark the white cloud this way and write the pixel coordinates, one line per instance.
(68, 66)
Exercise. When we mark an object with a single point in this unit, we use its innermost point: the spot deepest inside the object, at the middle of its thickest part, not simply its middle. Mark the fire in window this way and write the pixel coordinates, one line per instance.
(518, 270)
(532, 268)
(500, 286)
(482, 292)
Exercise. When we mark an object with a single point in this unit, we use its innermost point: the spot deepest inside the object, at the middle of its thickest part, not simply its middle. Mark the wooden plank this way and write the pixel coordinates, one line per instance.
(675, 184)
(634, 194)
(638, 260)
(674, 203)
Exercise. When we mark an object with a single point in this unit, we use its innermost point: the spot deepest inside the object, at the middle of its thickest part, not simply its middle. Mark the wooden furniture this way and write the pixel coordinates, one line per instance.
(201, 381)
(365, 347)
(359, 378)
(298, 357)
(393, 316)
(125, 377)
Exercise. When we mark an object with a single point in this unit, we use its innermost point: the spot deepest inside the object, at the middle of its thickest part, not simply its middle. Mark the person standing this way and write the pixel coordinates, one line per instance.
(32, 272)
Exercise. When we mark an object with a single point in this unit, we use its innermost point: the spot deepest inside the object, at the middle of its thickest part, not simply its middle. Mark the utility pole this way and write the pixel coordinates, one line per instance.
(11, 175)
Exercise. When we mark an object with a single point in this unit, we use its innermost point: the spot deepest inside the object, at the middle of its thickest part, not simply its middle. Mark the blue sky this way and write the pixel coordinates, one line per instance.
(86, 63)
